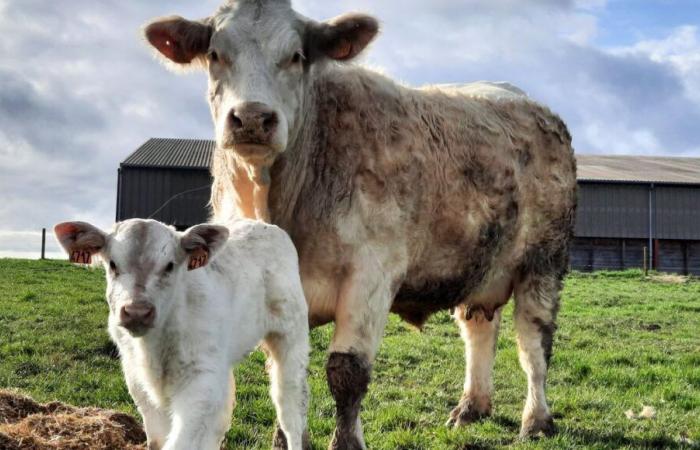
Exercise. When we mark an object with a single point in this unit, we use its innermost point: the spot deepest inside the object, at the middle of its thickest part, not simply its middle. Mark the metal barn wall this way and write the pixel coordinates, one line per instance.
(143, 190)
(677, 211)
(613, 225)
(612, 211)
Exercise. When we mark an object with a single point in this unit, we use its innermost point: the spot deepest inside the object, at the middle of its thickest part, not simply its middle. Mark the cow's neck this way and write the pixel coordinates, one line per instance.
(290, 171)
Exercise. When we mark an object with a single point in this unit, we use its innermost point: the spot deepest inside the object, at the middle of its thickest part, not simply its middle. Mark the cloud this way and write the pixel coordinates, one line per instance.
(79, 90)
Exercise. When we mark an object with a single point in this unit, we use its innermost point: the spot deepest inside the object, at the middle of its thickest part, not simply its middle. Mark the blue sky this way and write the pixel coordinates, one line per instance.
(79, 90)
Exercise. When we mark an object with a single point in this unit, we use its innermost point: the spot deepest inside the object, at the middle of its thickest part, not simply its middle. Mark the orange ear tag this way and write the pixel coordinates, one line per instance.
(198, 258)
(81, 257)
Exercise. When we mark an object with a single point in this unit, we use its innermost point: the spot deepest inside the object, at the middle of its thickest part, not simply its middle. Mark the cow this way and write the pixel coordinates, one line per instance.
(186, 307)
(397, 199)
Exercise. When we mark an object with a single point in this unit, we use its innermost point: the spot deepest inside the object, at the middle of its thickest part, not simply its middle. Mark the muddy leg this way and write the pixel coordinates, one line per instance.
(361, 315)
(480, 336)
(536, 306)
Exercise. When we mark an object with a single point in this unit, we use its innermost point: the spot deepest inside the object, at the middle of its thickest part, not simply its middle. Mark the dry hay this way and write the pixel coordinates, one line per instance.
(28, 425)
(669, 278)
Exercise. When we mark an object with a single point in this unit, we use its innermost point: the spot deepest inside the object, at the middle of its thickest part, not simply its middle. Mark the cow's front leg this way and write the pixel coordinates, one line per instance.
(361, 314)
(201, 411)
(480, 336)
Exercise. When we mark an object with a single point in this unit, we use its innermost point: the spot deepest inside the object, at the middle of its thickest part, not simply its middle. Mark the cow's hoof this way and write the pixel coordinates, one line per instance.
(345, 441)
(467, 412)
(279, 440)
(533, 427)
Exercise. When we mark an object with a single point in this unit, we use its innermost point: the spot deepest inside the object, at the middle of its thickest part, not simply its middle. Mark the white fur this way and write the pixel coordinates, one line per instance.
(209, 319)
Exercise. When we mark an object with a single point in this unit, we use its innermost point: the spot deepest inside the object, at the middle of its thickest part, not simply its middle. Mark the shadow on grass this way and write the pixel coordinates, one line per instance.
(616, 439)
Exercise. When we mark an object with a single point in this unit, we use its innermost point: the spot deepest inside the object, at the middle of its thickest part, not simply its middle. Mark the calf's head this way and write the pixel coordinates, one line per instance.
(145, 262)
(259, 55)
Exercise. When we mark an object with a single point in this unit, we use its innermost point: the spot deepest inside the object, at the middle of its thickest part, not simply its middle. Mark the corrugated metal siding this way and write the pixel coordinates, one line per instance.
(172, 153)
(677, 212)
(587, 254)
(612, 211)
(144, 190)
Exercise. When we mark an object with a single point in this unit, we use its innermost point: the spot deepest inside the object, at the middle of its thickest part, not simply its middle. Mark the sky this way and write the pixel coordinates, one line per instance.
(80, 90)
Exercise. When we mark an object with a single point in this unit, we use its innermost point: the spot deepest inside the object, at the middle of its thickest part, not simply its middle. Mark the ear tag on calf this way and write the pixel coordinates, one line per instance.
(81, 257)
(198, 258)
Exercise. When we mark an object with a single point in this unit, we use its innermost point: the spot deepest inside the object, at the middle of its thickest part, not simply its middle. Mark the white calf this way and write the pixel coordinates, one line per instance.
(180, 330)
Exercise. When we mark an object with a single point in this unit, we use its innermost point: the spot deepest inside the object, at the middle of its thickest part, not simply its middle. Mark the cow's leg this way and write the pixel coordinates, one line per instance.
(360, 318)
(480, 336)
(288, 360)
(536, 306)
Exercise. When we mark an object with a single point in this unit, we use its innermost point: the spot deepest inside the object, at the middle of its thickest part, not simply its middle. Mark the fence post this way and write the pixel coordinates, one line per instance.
(646, 268)
(43, 243)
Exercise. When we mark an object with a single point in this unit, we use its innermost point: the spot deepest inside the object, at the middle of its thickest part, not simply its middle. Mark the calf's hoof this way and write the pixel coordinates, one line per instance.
(533, 427)
(468, 411)
(345, 441)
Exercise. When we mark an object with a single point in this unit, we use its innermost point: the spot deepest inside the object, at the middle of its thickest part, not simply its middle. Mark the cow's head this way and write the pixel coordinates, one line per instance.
(259, 55)
(145, 261)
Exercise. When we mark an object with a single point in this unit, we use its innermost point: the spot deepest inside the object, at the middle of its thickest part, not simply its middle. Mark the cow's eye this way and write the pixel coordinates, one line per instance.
(113, 267)
(212, 56)
(298, 57)
(169, 268)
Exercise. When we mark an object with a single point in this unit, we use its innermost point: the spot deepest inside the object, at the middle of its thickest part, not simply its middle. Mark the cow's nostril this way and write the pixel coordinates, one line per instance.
(269, 122)
(236, 122)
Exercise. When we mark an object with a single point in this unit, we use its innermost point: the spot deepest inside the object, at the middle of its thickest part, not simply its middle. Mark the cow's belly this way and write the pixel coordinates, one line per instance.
(321, 296)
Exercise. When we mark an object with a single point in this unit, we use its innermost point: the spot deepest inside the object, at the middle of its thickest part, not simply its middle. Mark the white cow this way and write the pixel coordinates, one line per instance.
(180, 330)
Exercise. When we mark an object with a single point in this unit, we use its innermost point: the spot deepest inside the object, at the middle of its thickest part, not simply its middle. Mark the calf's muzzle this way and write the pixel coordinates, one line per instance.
(137, 316)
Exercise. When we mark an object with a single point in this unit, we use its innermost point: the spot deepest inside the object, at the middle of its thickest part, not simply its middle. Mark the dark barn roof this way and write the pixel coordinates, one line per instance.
(172, 154)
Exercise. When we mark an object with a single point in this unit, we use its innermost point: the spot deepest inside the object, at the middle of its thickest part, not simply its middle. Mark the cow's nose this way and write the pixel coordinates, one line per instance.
(252, 123)
(137, 315)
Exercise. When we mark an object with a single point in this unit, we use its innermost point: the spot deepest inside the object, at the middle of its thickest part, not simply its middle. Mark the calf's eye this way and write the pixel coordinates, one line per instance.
(169, 268)
(113, 267)
(213, 56)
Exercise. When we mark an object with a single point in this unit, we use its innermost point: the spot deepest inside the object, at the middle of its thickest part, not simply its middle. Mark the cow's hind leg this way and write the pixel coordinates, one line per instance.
(480, 336)
(361, 314)
(536, 306)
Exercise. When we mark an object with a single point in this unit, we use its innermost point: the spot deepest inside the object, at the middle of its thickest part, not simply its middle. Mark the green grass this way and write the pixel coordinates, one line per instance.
(624, 341)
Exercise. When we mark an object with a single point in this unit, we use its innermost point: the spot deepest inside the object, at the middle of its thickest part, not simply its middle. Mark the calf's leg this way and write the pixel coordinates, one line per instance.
(480, 337)
(288, 359)
(536, 306)
(361, 313)
(156, 422)
(201, 411)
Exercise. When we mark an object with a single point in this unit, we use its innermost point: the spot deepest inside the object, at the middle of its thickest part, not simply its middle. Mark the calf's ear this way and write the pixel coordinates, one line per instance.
(80, 240)
(180, 40)
(343, 37)
(201, 242)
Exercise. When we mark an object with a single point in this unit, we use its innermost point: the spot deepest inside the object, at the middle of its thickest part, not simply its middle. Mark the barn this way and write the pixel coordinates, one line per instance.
(629, 206)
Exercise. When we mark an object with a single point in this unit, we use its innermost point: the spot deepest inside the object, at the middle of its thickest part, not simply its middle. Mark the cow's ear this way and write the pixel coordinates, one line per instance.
(343, 37)
(201, 242)
(180, 40)
(80, 240)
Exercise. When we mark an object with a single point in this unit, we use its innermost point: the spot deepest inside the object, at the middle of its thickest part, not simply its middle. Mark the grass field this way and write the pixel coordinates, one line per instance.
(624, 342)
